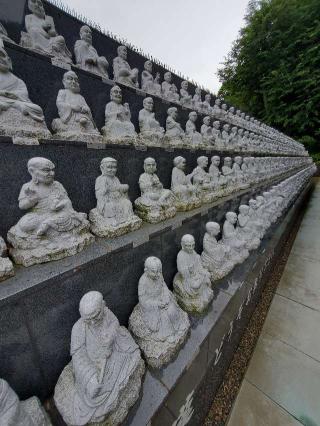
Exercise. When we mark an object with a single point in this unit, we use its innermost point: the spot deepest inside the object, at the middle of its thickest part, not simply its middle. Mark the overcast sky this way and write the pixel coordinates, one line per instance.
(191, 36)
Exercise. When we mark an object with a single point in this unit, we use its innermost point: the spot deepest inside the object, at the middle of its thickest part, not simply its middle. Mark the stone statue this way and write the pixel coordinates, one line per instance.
(203, 181)
(225, 136)
(6, 267)
(192, 286)
(175, 135)
(206, 104)
(113, 215)
(197, 99)
(217, 113)
(215, 256)
(151, 133)
(156, 203)
(169, 90)
(4, 34)
(86, 55)
(118, 127)
(20, 413)
(157, 85)
(185, 97)
(206, 131)
(193, 137)
(216, 133)
(103, 380)
(228, 172)
(230, 238)
(19, 117)
(122, 70)
(52, 229)
(147, 80)
(158, 324)
(41, 34)
(245, 230)
(76, 121)
(219, 180)
(256, 224)
(186, 194)
(238, 173)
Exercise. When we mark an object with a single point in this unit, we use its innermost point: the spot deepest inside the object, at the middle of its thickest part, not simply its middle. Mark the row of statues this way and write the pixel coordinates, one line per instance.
(51, 229)
(104, 378)
(41, 35)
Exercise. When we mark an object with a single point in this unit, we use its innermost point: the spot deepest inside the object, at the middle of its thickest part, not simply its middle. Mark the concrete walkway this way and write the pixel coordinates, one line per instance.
(282, 384)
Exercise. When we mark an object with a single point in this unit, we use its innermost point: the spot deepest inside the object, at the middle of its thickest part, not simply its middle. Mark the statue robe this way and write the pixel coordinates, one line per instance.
(11, 413)
(148, 123)
(70, 107)
(194, 277)
(118, 122)
(173, 129)
(84, 51)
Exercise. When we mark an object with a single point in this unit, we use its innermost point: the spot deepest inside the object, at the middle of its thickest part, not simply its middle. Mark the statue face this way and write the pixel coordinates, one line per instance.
(207, 97)
(148, 104)
(153, 271)
(238, 160)
(218, 102)
(182, 164)
(36, 7)
(216, 125)
(198, 91)
(188, 245)
(224, 107)
(123, 52)
(206, 121)
(71, 82)
(203, 162)
(148, 66)
(193, 117)
(44, 173)
(86, 34)
(150, 166)
(5, 61)
(184, 85)
(167, 77)
(116, 95)
(227, 162)
(216, 161)
(174, 114)
(232, 218)
(109, 168)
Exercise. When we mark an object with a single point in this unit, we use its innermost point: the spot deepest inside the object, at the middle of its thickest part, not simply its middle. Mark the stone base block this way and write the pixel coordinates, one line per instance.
(155, 214)
(6, 268)
(104, 228)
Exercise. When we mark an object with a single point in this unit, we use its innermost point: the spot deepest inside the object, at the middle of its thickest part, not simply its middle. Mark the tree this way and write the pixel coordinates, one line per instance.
(273, 69)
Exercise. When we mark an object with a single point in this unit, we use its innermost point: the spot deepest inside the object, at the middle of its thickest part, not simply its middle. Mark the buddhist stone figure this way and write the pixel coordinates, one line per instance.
(192, 286)
(151, 133)
(52, 229)
(156, 203)
(20, 413)
(193, 137)
(206, 104)
(122, 70)
(76, 121)
(230, 237)
(238, 173)
(19, 117)
(147, 80)
(256, 223)
(219, 180)
(216, 132)
(245, 230)
(197, 99)
(206, 131)
(157, 323)
(168, 88)
(113, 215)
(103, 380)
(6, 267)
(157, 85)
(4, 34)
(185, 97)
(186, 194)
(118, 127)
(86, 55)
(41, 34)
(228, 172)
(217, 108)
(225, 136)
(175, 135)
(203, 181)
(215, 256)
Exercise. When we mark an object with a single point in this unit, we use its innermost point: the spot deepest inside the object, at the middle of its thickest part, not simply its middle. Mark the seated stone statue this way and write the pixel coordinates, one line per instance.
(52, 229)
(191, 285)
(234, 138)
(186, 194)
(147, 80)
(206, 131)
(217, 135)
(228, 172)
(175, 135)
(122, 70)
(20, 413)
(256, 223)
(118, 127)
(76, 121)
(86, 55)
(219, 180)
(193, 138)
(151, 133)
(216, 111)
(159, 325)
(103, 380)
(6, 267)
(197, 99)
(41, 34)
(203, 181)
(215, 255)
(19, 117)
(169, 89)
(206, 104)
(113, 215)
(244, 229)
(263, 213)
(4, 34)
(185, 97)
(157, 85)
(230, 238)
(238, 173)
(225, 136)
(156, 203)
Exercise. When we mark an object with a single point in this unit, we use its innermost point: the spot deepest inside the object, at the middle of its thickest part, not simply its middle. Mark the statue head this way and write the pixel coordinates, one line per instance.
(150, 165)
(41, 170)
(148, 66)
(153, 268)
(187, 243)
(173, 112)
(231, 110)
(207, 120)
(180, 163)
(227, 161)
(122, 52)
(36, 7)
(184, 85)
(238, 112)
(232, 217)
(86, 34)
(246, 160)
(234, 130)
(224, 107)
(5, 61)
(216, 125)
(207, 97)
(244, 209)
(108, 166)
(193, 116)
(167, 76)
(240, 132)
(70, 81)
(215, 160)
(202, 161)
(217, 102)
(148, 104)
(198, 91)
(253, 204)
(116, 94)
(260, 200)
(226, 127)
(238, 160)
(92, 307)
(267, 195)
(213, 228)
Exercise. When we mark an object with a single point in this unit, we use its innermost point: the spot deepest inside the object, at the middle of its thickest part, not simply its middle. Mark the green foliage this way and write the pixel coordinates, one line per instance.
(273, 69)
